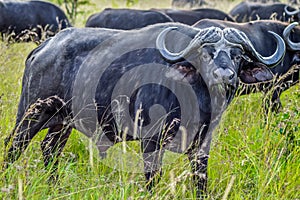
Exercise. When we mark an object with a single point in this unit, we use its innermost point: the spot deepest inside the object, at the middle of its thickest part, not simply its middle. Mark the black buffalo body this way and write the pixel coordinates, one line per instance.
(190, 17)
(248, 11)
(126, 19)
(18, 17)
(78, 78)
(287, 71)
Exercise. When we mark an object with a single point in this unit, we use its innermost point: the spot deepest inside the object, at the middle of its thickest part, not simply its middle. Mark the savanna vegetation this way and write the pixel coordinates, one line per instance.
(252, 157)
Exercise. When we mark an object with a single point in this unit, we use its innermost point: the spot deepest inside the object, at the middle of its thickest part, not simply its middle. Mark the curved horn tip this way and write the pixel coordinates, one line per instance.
(280, 50)
(288, 29)
(292, 25)
(160, 45)
(286, 34)
(295, 23)
(280, 41)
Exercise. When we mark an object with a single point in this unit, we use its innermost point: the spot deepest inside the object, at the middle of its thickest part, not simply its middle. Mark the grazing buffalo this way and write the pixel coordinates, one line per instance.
(152, 84)
(190, 17)
(19, 18)
(248, 11)
(126, 19)
(287, 71)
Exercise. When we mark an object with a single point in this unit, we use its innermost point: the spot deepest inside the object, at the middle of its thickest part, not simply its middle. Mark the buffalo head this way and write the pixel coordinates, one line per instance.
(223, 56)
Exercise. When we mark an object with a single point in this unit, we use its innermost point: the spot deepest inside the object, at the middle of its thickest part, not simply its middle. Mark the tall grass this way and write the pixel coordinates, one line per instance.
(250, 158)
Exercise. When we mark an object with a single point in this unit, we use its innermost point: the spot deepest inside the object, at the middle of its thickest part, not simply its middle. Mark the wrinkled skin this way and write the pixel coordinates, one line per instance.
(17, 17)
(211, 70)
(259, 29)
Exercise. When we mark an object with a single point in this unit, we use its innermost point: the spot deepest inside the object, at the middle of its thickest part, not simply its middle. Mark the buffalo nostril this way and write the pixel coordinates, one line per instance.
(229, 74)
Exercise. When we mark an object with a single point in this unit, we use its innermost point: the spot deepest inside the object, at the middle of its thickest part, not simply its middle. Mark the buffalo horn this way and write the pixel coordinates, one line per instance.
(238, 37)
(208, 35)
(286, 36)
(290, 12)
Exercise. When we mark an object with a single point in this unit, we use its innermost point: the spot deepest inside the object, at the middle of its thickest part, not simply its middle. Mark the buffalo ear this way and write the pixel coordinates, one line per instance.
(183, 71)
(296, 58)
(255, 72)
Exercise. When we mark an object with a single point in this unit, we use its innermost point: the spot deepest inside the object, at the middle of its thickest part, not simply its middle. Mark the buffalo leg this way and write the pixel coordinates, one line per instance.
(52, 146)
(35, 119)
(152, 156)
(25, 131)
(54, 142)
(199, 163)
(273, 101)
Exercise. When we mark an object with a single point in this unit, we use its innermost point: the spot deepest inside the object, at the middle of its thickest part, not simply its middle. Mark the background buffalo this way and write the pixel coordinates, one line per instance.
(36, 18)
(126, 19)
(247, 11)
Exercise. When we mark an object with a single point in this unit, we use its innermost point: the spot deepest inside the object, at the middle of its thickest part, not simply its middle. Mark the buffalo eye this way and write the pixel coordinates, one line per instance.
(206, 54)
(236, 55)
(237, 58)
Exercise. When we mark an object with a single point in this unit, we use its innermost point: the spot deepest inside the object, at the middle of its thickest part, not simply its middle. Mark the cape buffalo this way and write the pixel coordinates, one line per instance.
(248, 11)
(287, 71)
(126, 19)
(148, 84)
(22, 17)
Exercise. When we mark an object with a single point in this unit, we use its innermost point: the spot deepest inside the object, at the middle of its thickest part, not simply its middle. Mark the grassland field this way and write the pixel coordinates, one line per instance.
(251, 159)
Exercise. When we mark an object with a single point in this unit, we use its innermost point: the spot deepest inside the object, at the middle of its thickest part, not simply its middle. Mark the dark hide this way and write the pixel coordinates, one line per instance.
(126, 19)
(78, 78)
(21, 18)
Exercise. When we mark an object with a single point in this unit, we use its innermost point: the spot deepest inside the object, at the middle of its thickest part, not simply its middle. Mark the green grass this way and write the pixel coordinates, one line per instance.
(261, 160)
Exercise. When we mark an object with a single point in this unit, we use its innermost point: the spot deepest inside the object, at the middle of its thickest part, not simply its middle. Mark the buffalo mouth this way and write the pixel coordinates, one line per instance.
(230, 92)
(222, 92)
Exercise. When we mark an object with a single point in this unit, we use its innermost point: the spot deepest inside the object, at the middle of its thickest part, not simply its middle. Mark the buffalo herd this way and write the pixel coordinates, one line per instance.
(135, 63)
